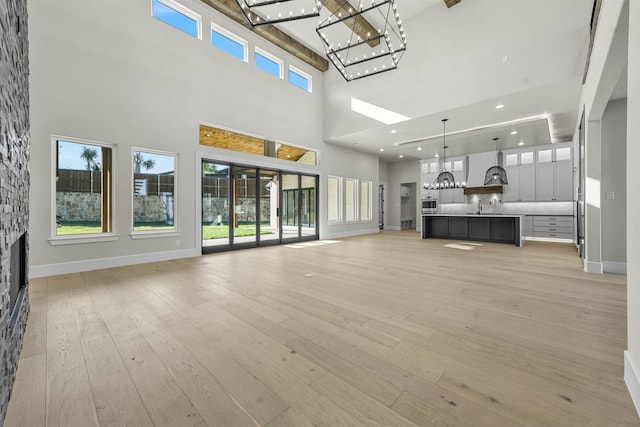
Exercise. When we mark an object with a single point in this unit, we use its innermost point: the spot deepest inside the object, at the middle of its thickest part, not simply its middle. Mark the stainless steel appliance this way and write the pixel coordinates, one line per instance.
(429, 205)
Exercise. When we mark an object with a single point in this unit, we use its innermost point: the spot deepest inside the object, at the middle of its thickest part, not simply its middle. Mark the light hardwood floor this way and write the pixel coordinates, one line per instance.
(378, 330)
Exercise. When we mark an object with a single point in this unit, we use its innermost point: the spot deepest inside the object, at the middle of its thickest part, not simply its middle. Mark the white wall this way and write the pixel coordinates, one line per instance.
(608, 59)
(108, 71)
(632, 359)
(613, 184)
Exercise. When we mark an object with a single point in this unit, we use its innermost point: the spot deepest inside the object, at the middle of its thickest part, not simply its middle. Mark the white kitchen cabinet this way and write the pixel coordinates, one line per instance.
(554, 174)
(452, 195)
(521, 175)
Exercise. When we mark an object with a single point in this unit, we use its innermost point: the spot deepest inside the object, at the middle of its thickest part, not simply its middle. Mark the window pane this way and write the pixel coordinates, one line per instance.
(365, 200)
(298, 80)
(333, 201)
(174, 18)
(82, 183)
(350, 200)
(153, 191)
(268, 65)
(228, 45)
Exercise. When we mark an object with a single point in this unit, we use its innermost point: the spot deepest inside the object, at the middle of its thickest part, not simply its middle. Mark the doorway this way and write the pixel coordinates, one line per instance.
(245, 206)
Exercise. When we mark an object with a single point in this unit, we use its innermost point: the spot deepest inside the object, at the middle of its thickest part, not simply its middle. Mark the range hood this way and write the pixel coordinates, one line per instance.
(478, 165)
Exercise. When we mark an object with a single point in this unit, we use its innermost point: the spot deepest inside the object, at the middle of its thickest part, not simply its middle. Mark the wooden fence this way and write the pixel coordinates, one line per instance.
(79, 181)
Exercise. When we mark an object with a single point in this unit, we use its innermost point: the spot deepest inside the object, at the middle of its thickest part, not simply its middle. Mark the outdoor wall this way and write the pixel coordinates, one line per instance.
(14, 176)
(109, 72)
(613, 188)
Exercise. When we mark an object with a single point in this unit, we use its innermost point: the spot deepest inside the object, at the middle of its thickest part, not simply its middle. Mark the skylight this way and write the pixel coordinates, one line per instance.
(377, 113)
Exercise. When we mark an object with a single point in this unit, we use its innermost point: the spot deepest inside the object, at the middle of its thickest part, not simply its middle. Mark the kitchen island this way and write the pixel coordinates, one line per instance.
(489, 227)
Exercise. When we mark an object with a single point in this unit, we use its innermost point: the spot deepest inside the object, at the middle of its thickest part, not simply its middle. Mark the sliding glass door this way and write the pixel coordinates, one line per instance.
(246, 206)
(269, 197)
(216, 205)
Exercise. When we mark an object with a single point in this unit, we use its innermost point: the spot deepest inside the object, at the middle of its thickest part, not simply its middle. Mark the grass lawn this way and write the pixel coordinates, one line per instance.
(91, 227)
(222, 231)
(208, 231)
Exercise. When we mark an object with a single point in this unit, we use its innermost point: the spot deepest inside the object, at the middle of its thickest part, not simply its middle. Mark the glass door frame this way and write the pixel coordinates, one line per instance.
(258, 242)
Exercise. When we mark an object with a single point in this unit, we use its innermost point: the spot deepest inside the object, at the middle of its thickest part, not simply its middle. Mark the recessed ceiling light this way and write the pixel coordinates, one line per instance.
(419, 148)
(499, 106)
(437, 155)
(401, 155)
(393, 131)
(521, 143)
(382, 149)
(514, 132)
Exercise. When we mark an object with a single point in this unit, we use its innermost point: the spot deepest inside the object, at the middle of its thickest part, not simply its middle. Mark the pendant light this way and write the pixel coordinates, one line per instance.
(496, 175)
(445, 179)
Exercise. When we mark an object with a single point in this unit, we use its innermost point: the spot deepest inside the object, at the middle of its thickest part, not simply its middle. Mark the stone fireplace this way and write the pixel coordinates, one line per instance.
(14, 190)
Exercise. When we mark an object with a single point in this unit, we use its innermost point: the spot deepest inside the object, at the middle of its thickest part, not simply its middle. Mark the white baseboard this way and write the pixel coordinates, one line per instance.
(614, 267)
(392, 227)
(96, 264)
(349, 233)
(592, 267)
(632, 379)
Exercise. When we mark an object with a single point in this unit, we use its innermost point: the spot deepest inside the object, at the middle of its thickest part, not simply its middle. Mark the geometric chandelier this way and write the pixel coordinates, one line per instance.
(363, 40)
(261, 12)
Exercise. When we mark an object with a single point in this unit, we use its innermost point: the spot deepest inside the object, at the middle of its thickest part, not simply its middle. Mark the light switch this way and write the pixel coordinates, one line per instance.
(611, 195)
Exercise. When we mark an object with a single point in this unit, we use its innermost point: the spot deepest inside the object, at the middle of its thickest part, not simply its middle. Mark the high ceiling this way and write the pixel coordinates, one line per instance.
(461, 62)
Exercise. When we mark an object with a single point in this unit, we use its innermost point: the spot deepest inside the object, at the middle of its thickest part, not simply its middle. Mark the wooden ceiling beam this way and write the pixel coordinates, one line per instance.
(359, 24)
(272, 34)
(451, 3)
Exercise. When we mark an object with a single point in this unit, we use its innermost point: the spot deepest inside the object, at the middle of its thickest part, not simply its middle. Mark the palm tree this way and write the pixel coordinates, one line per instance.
(139, 162)
(89, 155)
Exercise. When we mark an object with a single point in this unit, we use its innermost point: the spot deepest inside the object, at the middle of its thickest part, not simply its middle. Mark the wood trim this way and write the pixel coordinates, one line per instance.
(486, 189)
(451, 3)
(272, 34)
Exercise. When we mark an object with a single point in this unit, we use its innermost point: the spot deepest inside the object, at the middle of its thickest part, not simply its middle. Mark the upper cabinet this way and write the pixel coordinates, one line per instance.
(521, 175)
(554, 173)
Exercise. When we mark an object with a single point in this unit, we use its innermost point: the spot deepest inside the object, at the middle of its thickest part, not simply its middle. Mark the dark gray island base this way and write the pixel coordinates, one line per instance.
(495, 228)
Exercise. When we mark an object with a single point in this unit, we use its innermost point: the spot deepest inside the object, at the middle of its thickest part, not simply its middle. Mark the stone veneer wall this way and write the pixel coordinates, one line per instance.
(14, 178)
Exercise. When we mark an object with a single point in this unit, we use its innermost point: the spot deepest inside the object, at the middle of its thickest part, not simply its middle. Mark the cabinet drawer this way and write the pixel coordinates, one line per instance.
(553, 234)
(562, 228)
(559, 218)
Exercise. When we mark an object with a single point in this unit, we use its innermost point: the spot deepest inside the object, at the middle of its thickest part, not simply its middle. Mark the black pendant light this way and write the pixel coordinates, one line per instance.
(445, 179)
(496, 175)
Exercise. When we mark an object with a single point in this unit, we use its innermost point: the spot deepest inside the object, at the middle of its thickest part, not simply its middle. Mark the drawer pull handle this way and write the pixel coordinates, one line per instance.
(552, 229)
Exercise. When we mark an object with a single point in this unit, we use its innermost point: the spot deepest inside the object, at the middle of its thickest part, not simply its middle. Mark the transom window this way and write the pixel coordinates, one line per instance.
(178, 16)
(299, 78)
(229, 42)
(269, 63)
